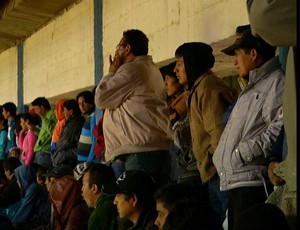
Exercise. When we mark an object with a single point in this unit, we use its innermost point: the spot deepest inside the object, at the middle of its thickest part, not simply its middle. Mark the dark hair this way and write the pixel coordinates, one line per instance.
(40, 171)
(17, 149)
(88, 97)
(193, 214)
(137, 40)
(264, 49)
(169, 70)
(11, 163)
(41, 101)
(11, 108)
(33, 119)
(242, 28)
(144, 200)
(72, 105)
(198, 58)
(173, 194)
(4, 121)
(100, 174)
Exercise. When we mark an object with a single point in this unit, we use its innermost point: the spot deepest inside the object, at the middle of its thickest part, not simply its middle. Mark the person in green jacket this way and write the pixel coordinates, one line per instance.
(105, 213)
(42, 146)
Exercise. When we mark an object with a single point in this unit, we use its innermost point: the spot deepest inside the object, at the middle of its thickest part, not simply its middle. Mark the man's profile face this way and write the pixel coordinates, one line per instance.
(162, 214)
(244, 62)
(86, 190)
(120, 51)
(39, 110)
(124, 205)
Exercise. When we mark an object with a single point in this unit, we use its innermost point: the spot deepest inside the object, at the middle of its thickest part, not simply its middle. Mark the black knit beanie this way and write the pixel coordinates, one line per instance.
(198, 58)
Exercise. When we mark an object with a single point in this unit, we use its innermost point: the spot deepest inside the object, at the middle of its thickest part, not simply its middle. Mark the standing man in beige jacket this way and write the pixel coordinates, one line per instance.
(136, 124)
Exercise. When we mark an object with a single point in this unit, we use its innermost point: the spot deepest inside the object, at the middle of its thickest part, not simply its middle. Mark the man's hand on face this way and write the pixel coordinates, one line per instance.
(115, 63)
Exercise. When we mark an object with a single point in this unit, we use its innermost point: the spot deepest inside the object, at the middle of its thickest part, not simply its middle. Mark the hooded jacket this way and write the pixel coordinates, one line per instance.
(35, 197)
(59, 114)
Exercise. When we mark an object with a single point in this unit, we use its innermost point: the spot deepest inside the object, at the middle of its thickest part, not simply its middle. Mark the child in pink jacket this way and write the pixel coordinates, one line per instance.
(27, 137)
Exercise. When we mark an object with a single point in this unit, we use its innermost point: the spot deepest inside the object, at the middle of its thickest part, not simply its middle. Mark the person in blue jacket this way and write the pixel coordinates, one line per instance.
(34, 198)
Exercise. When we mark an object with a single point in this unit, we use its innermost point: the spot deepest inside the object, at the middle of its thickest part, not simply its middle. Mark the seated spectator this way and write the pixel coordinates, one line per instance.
(59, 114)
(10, 192)
(42, 146)
(15, 152)
(45, 220)
(87, 139)
(168, 197)
(27, 138)
(65, 151)
(9, 111)
(34, 199)
(105, 213)
(261, 217)
(69, 209)
(193, 214)
(99, 147)
(3, 141)
(176, 100)
(40, 179)
(134, 191)
(17, 130)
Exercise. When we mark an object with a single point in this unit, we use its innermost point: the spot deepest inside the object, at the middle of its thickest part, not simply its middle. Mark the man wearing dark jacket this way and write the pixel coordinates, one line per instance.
(104, 215)
(134, 191)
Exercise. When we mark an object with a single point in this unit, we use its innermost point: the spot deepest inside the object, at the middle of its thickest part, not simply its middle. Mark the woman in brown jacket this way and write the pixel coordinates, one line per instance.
(208, 98)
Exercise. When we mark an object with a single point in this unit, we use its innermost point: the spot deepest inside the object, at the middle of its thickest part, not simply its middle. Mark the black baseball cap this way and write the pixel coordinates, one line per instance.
(132, 181)
(245, 39)
(59, 171)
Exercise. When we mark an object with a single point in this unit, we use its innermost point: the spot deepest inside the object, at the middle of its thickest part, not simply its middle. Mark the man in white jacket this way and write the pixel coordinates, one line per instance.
(136, 125)
(253, 125)
(276, 22)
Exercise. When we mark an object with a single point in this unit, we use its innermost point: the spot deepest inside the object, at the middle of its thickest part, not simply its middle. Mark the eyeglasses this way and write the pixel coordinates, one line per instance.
(120, 45)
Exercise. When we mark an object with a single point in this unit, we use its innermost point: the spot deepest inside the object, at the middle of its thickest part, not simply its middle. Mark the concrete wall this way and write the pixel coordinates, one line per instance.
(170, 23)
(59, 58)
(8, 76)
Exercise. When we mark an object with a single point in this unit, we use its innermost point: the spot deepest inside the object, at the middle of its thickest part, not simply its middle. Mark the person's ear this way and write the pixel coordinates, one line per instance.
(95, 189)
(134, 200)
(254, 55)
(127, 49)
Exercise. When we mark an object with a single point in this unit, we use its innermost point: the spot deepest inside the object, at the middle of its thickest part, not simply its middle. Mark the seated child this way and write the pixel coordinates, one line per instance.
(15, 152)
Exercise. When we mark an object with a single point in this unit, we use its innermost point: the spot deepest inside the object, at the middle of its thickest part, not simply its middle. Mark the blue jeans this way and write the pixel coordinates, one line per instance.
(218, 199)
